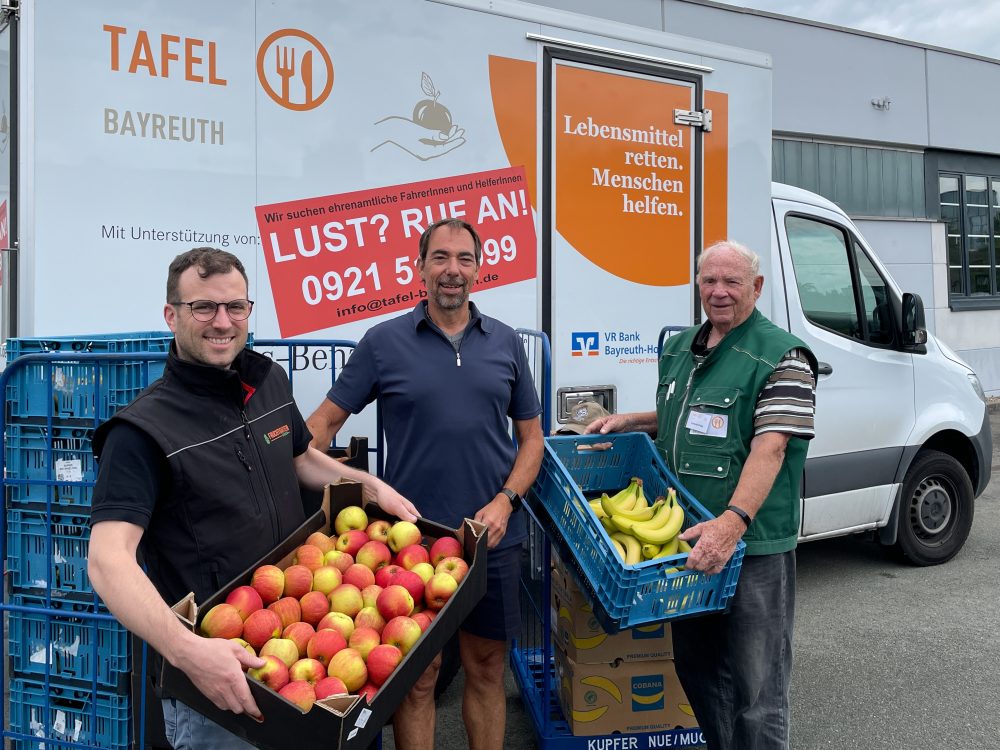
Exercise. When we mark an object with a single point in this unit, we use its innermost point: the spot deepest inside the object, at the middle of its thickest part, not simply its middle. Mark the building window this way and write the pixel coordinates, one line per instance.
(970, 209)
(862, 180)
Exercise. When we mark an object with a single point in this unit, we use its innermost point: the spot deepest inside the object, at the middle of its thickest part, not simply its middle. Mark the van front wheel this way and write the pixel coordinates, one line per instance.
(936, 509)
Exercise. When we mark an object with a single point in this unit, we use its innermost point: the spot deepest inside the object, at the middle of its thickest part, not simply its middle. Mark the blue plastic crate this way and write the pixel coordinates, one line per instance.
(73, 645)
(576, 467)
(49, 464)
(68, 715)
(76, 390)
(34, 451)
(48, 553)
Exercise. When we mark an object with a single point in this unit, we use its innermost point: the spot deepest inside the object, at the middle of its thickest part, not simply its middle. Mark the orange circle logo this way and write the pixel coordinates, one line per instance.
(290, 74)
(717, 422)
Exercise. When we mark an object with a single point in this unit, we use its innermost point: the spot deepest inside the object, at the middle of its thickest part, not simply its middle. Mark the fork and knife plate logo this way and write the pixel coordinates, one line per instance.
(294, 69)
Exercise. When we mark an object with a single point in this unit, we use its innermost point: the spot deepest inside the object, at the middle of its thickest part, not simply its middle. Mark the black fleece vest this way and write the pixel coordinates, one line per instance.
(234, 495)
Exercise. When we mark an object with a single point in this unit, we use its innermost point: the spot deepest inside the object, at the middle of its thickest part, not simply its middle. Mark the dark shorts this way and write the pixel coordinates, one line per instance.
(497, 616)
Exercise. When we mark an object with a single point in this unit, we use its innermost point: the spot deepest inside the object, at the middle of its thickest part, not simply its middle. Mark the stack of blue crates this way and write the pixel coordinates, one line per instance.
(70, 679)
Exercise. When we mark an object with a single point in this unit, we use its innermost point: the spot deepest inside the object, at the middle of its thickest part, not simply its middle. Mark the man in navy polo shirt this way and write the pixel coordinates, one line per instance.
(448, 378)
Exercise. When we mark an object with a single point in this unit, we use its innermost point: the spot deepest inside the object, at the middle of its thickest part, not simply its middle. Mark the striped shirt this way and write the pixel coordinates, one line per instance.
(787, 402)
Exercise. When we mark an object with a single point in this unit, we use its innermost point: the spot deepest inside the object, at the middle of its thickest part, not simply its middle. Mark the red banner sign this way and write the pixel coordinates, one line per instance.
(352, 256)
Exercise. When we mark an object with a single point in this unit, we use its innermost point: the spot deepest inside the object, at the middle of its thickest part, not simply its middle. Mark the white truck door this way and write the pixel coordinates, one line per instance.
(621, 217)
(845, 308)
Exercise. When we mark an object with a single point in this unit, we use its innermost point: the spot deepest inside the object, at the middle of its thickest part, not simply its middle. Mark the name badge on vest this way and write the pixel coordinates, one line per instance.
(712, 425)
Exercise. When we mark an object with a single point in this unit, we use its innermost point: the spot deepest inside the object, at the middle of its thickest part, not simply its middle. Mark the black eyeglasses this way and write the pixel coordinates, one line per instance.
(205, 310)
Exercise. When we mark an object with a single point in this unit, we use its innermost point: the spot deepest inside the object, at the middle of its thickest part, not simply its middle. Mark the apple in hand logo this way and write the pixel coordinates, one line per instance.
(428, 134)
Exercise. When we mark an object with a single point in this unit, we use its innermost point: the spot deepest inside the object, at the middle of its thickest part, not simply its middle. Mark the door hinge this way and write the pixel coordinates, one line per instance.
(702, 119)
(10, 9)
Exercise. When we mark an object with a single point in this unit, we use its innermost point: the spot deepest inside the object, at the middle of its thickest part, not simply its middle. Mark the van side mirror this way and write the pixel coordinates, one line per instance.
(914, 327)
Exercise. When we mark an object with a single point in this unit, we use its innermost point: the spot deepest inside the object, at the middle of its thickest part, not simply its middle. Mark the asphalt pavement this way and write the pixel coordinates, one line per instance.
(887, 656)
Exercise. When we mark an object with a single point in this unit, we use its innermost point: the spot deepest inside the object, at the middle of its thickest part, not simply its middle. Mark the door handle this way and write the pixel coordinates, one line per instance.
(824, 369)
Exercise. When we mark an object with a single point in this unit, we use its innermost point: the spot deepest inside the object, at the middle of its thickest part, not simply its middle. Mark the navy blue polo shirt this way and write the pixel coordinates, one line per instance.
(448, 443)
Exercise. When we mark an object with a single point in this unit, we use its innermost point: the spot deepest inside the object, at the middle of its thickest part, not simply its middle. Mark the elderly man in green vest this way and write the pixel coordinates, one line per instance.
(735, 407)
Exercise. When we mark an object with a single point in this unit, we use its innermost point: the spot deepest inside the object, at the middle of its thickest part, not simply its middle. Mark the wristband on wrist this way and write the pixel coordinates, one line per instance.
(744, 516)
(513, 497)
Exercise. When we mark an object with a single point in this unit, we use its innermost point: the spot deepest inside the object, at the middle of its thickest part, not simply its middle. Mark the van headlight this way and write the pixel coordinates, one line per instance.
(977, 386)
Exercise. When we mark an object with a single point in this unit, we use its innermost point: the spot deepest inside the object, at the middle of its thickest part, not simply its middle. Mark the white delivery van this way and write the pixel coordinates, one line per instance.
(315, 139)
(903, 442)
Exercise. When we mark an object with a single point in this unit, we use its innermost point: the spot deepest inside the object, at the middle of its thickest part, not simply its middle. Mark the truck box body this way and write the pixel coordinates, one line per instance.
(316, 139)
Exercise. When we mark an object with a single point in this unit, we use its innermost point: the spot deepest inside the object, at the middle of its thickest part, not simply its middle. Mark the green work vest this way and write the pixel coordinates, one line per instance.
(722, 393)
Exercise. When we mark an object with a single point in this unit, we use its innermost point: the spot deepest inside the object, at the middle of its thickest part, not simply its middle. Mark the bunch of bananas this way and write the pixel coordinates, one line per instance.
(639, 530)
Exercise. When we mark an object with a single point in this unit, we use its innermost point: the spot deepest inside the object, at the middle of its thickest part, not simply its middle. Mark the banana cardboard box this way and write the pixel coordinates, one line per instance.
(627, 697)
(576, 630)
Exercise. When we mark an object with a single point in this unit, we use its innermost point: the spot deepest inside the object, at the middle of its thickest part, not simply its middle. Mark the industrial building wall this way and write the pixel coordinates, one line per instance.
(853, 115)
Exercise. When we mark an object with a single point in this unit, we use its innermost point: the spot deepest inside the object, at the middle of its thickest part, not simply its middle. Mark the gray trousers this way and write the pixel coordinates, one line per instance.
(736, 667)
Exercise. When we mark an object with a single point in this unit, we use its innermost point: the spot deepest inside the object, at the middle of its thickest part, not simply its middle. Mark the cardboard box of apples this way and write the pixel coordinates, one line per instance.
(348, 612)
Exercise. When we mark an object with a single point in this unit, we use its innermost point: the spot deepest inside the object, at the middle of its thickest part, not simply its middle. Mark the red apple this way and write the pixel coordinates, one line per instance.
(369, 617)
(439, 590)
(325, 644)
(422, 619)
(369, 594)
(340, 560)
(349, 666)
(378, 530)
(374, 555)
(401, 632)
(384, 575)
(346, 598)
(368, 692)
(381, 662)
(260, 626)
(284, 648)
(326, 578)
(288, 609)
(299, 633)
(309, 555)
(403, 534)
(314, 606)
(300, 693)
(321, 540)
(364, 640)
(359, 575)
(269, 581)
(351, 518)
(351, 541)
(222, 621)
(411, 555)
(310, 670)
(330, 686)
(337, 621)
(395, 601)
(298, 581)
(274, 673)
(456, 567)
(245, 599)
(412, 583)
(446, 546)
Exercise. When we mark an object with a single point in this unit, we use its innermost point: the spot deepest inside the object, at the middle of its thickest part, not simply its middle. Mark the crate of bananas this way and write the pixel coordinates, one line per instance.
(616, 511)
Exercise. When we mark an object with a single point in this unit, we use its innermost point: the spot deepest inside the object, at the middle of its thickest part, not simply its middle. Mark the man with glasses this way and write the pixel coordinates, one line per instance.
(201, 472)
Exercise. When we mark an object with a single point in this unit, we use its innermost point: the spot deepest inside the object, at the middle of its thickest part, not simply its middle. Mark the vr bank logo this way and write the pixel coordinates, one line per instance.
(585, 343)
(647, 692)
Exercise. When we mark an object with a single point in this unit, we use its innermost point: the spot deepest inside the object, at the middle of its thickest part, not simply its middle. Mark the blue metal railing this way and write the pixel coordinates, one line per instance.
(665, 333)
(294, 346)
